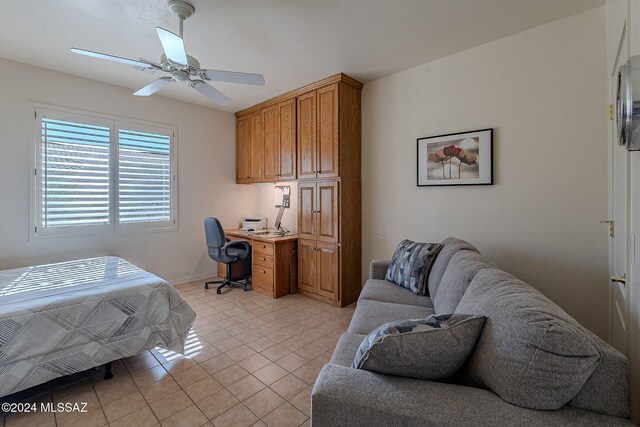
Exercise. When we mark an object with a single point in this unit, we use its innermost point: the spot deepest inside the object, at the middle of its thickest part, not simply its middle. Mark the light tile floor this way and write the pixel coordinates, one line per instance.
(250, 361)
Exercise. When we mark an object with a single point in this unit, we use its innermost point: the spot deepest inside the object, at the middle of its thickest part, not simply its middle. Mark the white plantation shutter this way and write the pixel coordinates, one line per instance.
(144, 177)
(94, 174)
(75, 183)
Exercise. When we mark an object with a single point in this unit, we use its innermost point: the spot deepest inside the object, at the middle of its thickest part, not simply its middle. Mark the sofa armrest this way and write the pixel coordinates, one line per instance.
(350, 397)
(378, 268)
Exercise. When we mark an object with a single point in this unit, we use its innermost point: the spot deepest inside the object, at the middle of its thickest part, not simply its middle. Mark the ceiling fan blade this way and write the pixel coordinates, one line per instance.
(234, 77)
(154, 86)
(211, 93)
(110, 57)
(173, 46)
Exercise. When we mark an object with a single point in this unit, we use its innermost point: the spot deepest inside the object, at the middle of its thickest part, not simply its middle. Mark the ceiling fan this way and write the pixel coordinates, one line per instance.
(181, 67)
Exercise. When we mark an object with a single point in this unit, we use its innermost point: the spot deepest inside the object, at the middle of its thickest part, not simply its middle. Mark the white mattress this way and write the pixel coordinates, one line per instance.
(58, 319)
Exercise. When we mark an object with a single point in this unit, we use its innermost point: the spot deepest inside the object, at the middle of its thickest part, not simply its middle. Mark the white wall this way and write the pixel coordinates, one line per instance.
(266, 205)
(206, 174)
(544, 93)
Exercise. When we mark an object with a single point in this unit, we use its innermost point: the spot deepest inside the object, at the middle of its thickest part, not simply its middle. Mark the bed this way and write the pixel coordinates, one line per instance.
(59, 319)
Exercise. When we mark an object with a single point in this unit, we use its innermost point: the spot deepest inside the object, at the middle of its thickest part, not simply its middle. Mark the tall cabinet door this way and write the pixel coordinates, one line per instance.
(257, 146)
(271, 143)
(327, 151)
(307, 266)
(327, 211)
(243, 150)
(306, 210)
(327, 270)
(307, 135)
(287, 152)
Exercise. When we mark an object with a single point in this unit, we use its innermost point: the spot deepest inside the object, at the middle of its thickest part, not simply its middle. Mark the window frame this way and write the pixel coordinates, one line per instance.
(115, 124)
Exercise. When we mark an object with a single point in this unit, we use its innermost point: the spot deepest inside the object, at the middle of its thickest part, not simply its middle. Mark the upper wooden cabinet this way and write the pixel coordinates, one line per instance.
(271, 127)
(256, 135)
(243, 150)
(307, 135)
(318, 141)
(327, 149)
(287, 140)
(266, 147)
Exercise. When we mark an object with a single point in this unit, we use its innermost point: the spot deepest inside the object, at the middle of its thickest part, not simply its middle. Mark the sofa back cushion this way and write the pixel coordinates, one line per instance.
(530, 352)
(450, 246)
(462, 268)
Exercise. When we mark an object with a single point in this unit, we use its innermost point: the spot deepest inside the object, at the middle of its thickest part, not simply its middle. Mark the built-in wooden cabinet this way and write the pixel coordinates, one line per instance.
(243, 150)
(318, 217)
(313, 134)
(307, 135)
(256, 138)
(318, 133)
(271, 128)
(287, 140)
(266, 144)
(328, 122)
(318, 269)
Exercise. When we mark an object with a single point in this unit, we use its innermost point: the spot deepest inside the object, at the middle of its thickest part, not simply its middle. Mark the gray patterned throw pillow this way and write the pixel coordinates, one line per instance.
(411, 263)
(432, 349)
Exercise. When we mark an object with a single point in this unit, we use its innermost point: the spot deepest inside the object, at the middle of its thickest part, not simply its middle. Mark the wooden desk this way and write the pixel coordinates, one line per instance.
(274, 265)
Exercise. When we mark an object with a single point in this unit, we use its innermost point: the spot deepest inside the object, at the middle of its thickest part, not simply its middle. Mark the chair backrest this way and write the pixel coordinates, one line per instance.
(214, 234)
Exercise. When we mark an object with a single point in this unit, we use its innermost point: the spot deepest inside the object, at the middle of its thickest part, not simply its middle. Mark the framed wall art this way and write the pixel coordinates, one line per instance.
(456, 159)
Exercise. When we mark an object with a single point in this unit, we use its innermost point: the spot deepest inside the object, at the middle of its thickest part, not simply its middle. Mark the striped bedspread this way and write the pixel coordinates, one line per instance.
(58, 319)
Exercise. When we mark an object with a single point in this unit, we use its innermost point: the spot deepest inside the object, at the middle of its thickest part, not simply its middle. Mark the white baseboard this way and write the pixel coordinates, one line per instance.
(188, 279)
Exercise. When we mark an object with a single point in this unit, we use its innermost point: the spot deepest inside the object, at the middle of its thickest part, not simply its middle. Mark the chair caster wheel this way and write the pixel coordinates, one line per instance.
(206, 286)
(245, 288)
(218, 291)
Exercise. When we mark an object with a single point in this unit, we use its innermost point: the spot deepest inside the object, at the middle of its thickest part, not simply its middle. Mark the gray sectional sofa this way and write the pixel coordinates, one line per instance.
(532, 364)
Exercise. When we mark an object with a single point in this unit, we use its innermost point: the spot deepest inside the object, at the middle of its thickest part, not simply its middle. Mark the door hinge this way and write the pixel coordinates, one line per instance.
(611, 112)
(611, 227)
(35, 229)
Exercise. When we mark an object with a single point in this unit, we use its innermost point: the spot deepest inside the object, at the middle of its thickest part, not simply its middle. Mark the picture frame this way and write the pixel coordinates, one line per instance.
(463, 158)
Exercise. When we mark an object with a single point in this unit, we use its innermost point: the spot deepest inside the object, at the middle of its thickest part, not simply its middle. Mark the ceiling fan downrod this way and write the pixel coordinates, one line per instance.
(183, 9)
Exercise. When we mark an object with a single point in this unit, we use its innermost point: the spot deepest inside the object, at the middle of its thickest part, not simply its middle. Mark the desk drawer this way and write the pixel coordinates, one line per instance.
(262, 278)
(263, 260)
(263, 248)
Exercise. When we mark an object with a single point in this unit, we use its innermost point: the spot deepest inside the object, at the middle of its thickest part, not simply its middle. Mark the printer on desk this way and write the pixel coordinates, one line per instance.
(254, 223)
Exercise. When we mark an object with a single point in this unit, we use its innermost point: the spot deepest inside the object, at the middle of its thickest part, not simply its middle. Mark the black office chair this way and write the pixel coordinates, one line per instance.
(226, 251)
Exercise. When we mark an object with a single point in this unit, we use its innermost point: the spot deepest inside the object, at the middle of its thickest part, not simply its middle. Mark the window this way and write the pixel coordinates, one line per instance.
(100, 174)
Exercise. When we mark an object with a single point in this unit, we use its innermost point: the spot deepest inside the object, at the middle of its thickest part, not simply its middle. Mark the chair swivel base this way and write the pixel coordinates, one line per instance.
(226, 282)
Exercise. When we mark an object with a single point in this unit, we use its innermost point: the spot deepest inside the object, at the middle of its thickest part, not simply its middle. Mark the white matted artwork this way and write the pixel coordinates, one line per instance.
(456, 159)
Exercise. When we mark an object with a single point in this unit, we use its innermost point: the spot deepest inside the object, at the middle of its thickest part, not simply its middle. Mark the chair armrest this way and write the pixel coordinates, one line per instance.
(350, 397)
(378, 268)
(238, 244)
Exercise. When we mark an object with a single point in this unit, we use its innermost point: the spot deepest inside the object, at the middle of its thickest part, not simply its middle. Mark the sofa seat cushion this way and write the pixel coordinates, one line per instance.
(462, 268)
(530, 352)
(371, 314)
(383, 291)
(346, 349)
(430, 349)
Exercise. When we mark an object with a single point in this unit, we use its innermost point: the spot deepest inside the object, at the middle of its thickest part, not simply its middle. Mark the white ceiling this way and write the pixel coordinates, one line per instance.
(290, 42)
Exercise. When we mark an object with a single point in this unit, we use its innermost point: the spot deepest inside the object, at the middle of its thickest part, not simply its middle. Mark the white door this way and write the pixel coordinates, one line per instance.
(618, 265)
